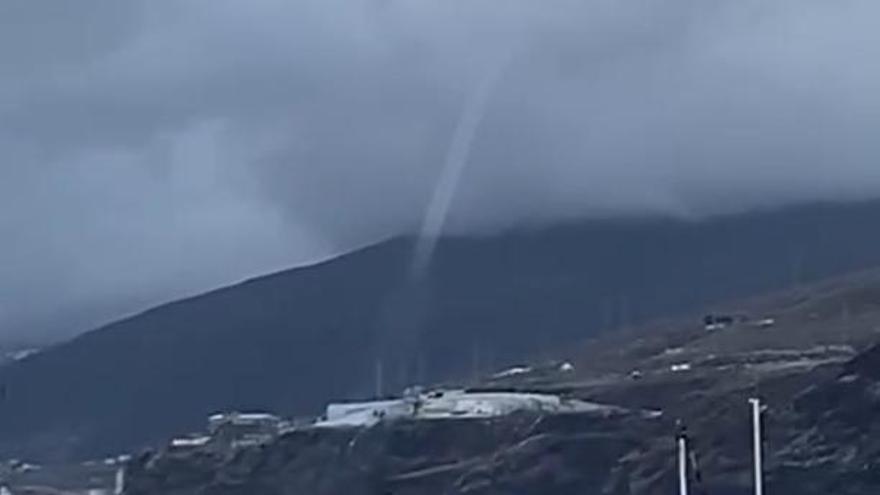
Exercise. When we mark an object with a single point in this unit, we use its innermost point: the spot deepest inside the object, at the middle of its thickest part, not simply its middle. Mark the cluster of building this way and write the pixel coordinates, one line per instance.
(452, 404)
(234, 430)
(230, 431)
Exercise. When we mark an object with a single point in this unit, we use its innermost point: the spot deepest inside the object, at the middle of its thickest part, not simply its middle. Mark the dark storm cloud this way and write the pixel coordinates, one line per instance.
(150, 149)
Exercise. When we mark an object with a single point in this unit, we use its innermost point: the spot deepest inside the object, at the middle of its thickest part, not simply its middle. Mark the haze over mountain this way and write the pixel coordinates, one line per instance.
(150, 150)
(291, 341)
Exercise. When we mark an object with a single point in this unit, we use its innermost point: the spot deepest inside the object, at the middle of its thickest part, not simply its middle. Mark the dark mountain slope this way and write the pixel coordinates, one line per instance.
(291, 341)
(816, 369)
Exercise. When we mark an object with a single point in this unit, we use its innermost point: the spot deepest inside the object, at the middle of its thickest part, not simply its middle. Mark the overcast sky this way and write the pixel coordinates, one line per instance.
(150, 149)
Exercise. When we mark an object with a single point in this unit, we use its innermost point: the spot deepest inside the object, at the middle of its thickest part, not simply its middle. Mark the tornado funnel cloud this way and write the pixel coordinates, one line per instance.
(407, 307)
(454, 167)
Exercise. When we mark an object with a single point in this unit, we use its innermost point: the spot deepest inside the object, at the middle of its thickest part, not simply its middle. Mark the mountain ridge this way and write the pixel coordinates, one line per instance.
(292, 340)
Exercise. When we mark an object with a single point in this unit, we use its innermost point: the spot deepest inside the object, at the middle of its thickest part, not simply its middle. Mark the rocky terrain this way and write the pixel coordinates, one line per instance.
(525, 453)
(809, 353)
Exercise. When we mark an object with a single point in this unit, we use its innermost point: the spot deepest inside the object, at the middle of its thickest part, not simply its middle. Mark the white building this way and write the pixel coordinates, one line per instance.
(186, 443)
(366, 413)
(254, 420)
(452, 404)
(237, 429)
(463, 404)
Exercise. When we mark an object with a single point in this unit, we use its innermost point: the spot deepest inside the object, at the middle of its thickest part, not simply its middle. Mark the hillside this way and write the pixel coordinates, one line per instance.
(290, 341)
(815, 366)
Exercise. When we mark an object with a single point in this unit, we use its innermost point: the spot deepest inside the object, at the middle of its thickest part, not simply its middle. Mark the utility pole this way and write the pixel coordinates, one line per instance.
(756, 431)
(682, 462)
(119, 487)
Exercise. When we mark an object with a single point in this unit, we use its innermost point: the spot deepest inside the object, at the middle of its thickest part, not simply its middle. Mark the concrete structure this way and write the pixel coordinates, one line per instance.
(367, 413)
(464, 404)
(235, 429)
(452, 404)
(260, 420)
(187, 443)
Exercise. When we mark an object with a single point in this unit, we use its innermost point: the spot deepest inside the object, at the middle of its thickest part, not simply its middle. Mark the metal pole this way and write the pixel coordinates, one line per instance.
(756, 430)
(119, 488)
(682, 465)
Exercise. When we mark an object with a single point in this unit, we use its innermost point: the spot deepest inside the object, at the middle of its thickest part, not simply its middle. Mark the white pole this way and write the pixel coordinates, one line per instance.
(756, 430)
(119, 488)
(682, 465)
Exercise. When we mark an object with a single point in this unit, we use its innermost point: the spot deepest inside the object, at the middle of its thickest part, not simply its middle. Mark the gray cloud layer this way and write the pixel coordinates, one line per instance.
(151, 149)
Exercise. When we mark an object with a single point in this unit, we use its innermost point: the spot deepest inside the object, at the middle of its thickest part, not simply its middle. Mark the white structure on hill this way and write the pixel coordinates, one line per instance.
(366, 413)
(191, 442)
(462, 404)
(454, 404)
(257, 420)
(237, 429)
(232, 430)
